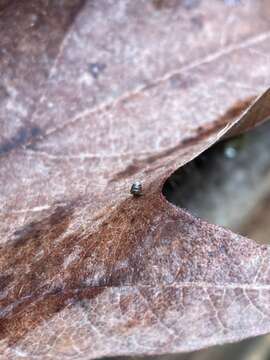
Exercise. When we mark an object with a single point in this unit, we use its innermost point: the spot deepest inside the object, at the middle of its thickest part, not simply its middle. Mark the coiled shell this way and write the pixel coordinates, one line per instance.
(136, 189)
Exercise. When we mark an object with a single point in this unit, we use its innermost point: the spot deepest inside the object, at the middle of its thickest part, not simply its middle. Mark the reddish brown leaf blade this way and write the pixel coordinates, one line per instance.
(135, 90)
(254, 115)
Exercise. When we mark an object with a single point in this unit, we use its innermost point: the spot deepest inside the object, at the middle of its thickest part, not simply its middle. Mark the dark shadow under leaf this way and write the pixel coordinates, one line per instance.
(228, 183)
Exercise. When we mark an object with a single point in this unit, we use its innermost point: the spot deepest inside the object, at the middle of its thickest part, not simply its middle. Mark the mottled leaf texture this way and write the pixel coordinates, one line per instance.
(94, 95)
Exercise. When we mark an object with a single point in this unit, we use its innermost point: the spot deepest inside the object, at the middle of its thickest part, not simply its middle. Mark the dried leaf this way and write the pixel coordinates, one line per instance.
(95, 94)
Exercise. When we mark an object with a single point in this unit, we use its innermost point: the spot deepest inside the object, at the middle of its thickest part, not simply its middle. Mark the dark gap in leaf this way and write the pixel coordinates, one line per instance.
(229, 184)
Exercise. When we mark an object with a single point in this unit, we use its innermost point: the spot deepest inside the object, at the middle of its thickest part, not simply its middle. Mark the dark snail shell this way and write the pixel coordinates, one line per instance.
(136, 189)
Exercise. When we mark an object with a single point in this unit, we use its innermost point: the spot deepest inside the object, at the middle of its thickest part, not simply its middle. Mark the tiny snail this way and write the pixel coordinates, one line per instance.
(136, 189)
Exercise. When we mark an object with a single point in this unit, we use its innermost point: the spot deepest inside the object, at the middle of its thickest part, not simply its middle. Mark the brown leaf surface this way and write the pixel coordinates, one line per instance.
(95, 94)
